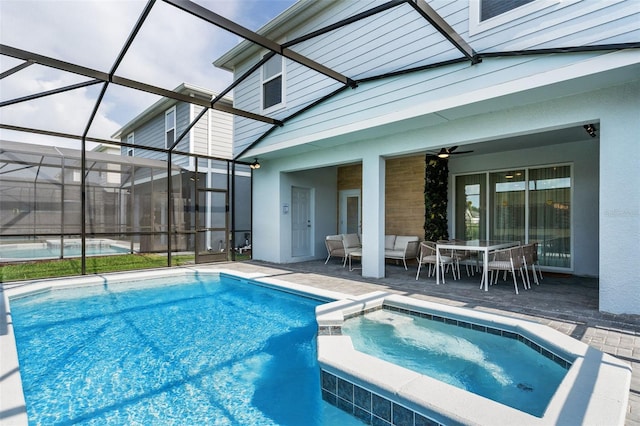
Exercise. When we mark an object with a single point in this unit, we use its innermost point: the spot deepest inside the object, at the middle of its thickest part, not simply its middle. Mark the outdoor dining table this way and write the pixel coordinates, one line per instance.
(484, 246)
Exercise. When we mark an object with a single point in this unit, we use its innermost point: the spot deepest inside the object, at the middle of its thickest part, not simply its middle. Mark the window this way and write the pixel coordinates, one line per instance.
(487, 14)
(170, 127)
(130, 140)
(272, 82)
(526, 205)
(492, 8)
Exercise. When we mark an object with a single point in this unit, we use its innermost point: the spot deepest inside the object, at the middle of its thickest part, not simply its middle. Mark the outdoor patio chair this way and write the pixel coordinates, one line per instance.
(335, 248)
(508, 260)
(529, 253)
(535, 259)
(466, 257)
(427, 256)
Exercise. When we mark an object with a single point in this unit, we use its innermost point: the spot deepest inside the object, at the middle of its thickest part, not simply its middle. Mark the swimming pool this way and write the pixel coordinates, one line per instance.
(595, 389)
(504, 368)
(200, 349)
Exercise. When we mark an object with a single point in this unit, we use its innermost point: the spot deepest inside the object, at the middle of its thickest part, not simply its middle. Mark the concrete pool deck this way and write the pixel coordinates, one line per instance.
(567, 304)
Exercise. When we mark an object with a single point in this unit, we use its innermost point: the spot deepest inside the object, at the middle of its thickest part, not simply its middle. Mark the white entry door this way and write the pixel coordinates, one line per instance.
(350, 214)
(300, 221)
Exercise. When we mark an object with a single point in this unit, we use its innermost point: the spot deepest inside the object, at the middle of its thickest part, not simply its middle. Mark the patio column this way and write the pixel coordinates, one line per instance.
(373, 190)
(620, 210)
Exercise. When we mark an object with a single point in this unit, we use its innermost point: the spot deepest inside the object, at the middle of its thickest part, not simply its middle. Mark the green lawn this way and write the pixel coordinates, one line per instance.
(95, 265)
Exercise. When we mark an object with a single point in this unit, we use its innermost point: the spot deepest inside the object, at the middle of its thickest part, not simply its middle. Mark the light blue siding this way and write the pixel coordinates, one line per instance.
(400, 39)
(387, 96)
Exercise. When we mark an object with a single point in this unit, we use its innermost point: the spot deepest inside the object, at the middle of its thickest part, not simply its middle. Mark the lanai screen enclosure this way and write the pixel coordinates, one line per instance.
(64, 197)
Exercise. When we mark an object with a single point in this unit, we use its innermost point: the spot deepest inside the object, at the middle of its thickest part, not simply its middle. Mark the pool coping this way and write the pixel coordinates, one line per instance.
(595, 389)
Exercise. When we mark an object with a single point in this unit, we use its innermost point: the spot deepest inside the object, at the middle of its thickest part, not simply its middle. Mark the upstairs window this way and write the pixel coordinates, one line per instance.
(170, 127)
(488, 14)
(130, 140)
(272, 82)
(492, 8)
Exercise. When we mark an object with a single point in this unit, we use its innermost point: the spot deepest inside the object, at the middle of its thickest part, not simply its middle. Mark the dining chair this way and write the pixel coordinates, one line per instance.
(508, 260)
(529, 254)
(427, 256)
(456, 255)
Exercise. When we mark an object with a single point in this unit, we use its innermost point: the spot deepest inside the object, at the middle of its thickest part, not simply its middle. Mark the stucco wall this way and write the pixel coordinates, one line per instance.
(606, 194)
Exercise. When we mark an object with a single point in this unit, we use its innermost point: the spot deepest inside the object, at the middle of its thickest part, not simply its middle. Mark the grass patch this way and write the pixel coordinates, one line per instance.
(94, 265)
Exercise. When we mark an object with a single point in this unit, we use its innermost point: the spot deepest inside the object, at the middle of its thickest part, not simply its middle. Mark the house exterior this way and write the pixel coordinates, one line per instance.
(542, 97)
(203, 183)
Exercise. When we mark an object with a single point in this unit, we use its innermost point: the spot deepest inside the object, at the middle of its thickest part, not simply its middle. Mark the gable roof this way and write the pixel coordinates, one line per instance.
(276, 30)
(166, 103)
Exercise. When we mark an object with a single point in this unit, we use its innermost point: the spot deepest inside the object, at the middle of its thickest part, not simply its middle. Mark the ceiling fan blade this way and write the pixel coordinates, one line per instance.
(460, 152)
(453, 148)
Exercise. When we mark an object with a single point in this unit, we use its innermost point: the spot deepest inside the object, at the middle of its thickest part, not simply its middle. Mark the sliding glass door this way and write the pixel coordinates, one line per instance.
(550, 214)
(507, 201)
(526, 205)
(471, 207)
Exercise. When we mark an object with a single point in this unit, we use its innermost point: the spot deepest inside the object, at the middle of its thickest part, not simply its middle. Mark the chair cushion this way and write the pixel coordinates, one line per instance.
(351, 240)
(394, 254)
(389, 242)
(335, 246)
(402, 240)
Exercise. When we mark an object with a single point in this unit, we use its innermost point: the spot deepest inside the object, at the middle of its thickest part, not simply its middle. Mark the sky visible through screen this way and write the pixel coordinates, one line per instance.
(172, 48)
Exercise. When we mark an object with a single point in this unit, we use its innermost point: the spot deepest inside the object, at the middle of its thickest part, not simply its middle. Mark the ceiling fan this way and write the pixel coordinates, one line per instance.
(446, 152)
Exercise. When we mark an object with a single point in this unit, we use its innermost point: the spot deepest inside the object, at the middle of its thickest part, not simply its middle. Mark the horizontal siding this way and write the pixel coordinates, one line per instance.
(564, 24)
(150, 134)
(400, 38)
(200, 132)
(183, 119)
(418, 88)
(221, 134)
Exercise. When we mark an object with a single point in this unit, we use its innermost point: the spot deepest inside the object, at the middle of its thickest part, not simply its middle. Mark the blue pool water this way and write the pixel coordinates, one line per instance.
(205, 351)
(502, 369)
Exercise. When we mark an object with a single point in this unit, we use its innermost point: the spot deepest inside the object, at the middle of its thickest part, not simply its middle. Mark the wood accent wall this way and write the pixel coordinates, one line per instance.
(404, 195)
(350, 177)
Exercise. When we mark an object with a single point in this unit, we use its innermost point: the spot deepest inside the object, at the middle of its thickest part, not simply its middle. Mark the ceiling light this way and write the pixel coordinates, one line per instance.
(444, 153)
(591, 129)
(255, 164)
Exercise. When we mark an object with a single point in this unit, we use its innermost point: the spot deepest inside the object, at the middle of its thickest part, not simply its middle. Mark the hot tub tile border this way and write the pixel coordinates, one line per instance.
(368, 406)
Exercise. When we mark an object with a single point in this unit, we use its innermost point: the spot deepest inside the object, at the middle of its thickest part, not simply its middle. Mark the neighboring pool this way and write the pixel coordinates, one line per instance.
(501, 368)
(199, 350)
(35, 251)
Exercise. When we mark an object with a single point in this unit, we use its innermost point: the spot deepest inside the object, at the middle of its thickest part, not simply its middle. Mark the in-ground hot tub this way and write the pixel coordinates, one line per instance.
(594, 390)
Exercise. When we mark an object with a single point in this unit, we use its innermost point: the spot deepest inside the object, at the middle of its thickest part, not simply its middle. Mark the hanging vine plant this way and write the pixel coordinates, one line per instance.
(436, 178)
